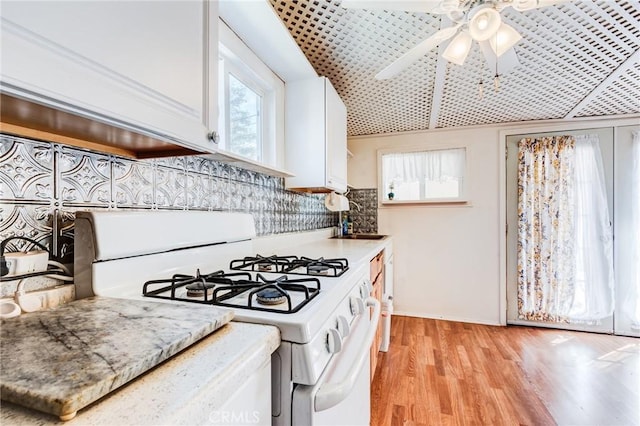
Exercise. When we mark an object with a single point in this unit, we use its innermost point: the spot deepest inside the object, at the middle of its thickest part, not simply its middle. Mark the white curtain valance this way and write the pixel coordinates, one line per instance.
(436, 165)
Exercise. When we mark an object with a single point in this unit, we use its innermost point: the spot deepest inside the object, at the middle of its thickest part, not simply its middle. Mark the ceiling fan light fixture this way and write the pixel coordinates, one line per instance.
(458, 49)
(484, 21)
(505, 38)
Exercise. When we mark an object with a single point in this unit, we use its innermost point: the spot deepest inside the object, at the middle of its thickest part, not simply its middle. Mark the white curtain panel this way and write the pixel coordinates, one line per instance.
(594, 281)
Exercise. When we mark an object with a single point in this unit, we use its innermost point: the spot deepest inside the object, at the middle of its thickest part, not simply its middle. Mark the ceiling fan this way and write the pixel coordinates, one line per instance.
(477, 20)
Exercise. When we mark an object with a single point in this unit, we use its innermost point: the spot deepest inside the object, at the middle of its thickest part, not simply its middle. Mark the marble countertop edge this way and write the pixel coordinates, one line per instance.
(161, 395)
(76, 361)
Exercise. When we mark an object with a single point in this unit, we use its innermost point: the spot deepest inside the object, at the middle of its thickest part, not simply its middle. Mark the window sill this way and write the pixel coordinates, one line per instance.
(433, 202)
(245, 163)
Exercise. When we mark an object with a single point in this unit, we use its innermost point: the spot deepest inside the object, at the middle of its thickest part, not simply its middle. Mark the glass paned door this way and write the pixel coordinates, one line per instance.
(555, 276)
(627, 230)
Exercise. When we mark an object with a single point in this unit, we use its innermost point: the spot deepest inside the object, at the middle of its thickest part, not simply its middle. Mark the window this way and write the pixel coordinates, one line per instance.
(251, 103)
(244, 108)
(423, 176)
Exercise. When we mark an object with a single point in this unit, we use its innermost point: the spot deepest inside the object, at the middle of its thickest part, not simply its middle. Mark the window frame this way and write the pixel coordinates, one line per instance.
(237, 59)
(463, 193)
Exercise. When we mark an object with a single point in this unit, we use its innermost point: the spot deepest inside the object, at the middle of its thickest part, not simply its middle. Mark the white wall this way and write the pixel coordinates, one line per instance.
(449, 259)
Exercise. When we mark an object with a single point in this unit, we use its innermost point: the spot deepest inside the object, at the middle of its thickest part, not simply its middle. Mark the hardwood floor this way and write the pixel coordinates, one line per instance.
(442, 372)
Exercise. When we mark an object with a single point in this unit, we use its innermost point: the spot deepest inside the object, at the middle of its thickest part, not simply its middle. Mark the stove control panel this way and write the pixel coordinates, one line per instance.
(310, 359)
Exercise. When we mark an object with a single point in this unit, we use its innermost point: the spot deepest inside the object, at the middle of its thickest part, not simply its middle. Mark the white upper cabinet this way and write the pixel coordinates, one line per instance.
(315, 136)
(146, 65)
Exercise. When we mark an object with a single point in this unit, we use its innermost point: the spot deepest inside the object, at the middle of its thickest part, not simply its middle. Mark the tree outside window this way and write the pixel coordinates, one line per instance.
(244, 120)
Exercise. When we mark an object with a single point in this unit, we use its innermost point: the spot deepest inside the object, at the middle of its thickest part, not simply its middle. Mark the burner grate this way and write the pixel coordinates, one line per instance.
(262, 263)
(320, 266)
(227, 286)
(292, 265)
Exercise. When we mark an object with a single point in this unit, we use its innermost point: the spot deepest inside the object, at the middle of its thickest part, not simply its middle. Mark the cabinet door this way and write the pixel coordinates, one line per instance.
(141, 64)
(316, 136)
(305, 133)
(336, 143)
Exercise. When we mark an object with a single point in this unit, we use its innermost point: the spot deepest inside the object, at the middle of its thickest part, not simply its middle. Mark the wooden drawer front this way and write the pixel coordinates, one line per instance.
(375, 266)
(375, 347)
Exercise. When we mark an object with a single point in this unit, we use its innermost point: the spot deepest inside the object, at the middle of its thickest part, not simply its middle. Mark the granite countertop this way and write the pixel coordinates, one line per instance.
(60, 360)
(168, 394)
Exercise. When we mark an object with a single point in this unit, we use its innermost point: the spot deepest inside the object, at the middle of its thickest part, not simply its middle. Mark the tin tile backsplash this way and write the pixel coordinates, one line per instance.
(364, 210)
(43, 184)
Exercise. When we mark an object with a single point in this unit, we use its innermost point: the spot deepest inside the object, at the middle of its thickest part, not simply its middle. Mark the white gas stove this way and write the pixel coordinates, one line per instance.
(320, 304)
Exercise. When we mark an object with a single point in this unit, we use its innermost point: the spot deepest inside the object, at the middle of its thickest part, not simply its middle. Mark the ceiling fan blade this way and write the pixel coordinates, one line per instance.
(522, 5)
(416, 52)
(425, 6)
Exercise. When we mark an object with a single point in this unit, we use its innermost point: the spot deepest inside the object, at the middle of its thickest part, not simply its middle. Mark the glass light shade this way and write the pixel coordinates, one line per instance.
(458, 49)
(484, 22)
(505, 38)
(449, 5)
(522, 5)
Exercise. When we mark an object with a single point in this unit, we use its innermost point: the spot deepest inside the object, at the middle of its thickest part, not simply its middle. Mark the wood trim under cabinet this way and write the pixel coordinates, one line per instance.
(15, 130)
(21, 117)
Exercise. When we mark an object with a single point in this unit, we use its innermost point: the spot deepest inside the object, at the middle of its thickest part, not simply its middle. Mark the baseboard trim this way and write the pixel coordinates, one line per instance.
(447, 318)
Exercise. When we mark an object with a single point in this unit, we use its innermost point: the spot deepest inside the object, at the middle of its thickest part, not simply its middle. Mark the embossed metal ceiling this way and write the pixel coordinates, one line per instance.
(577, 59)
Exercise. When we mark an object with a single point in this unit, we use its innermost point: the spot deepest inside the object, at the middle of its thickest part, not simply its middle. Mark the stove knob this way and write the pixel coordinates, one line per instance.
(357, 306)
(364, 292)
(334, 341)
(368, 285)
(343, 326)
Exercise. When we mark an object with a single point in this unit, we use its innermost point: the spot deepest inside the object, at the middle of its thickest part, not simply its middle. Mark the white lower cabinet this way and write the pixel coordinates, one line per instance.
(250, 404)
(147, 65)
(315, 136)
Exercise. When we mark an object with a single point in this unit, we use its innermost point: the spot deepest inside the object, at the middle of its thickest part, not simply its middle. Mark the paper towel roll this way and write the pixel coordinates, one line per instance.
(336, 203)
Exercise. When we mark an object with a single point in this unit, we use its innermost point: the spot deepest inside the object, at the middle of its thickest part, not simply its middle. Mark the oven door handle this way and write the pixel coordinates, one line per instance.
(330, 394)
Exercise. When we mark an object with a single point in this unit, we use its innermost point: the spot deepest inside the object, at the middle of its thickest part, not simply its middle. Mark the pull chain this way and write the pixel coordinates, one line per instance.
(496, 78)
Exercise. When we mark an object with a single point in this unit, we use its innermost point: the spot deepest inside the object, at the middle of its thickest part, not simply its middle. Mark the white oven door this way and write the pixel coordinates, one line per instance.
(342, 394)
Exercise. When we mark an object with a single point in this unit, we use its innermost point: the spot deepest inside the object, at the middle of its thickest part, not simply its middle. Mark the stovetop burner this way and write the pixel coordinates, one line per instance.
(292, 265)
(197, 289)
(271, 296)
(237, 290)
(318, 269)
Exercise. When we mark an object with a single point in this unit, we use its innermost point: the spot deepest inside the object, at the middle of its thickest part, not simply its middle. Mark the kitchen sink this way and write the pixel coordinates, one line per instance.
(359, 237)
